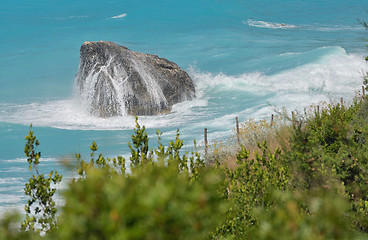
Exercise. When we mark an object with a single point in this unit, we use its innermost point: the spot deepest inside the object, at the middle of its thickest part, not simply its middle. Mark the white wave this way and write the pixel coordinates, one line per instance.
(70, 114)
(12, 169)
(10, 198)
(118, 16)
(338, 73)
(272, 25)
(206, 82)
(332, 76)
(24, 160)
(13, 189)
(333, 72)
(333, 28)
(67, 18)
(308, 27)
(11, 180)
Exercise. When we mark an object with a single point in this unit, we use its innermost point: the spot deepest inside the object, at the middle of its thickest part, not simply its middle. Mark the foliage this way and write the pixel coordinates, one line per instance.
(153, 203)
(249, 184)
(141, 156)
(331, 147)
(302, 215)
(112, 166)
(140, 149)
(41, 209)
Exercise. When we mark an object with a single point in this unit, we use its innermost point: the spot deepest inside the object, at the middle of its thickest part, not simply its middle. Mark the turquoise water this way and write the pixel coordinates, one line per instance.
(246, 58)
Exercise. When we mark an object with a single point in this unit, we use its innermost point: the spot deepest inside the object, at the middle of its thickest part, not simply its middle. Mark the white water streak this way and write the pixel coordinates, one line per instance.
(157, 96)
(309, 27)
(119, 16)
(272, 25)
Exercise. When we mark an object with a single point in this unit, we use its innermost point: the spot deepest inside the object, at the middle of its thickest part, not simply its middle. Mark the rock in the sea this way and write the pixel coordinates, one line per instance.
(113, 80)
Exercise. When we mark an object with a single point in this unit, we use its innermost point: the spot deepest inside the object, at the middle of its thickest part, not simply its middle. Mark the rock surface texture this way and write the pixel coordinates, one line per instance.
(113, 80)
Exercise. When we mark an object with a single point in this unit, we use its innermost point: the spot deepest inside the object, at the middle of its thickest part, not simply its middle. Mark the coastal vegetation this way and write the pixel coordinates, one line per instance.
(304, 177)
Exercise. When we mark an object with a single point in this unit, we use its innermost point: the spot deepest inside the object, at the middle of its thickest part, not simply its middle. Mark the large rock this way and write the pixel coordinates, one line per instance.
(113, 80)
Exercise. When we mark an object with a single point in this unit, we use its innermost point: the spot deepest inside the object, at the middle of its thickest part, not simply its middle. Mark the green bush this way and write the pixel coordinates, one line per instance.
(249, 184)
(156, 202)
(331, 147)
(308, 215)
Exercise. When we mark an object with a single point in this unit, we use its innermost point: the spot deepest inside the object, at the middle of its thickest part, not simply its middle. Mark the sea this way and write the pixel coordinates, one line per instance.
(247, 59)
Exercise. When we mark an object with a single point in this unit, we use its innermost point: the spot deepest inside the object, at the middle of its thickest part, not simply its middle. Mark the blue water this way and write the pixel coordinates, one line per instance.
(246, 58)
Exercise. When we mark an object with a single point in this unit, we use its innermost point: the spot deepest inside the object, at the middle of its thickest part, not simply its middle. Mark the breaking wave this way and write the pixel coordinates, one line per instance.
(118, 16)
(272, 25)
(308, 27)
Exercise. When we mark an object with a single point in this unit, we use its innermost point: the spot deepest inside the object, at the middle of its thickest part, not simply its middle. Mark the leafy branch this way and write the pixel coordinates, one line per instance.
(40, 209)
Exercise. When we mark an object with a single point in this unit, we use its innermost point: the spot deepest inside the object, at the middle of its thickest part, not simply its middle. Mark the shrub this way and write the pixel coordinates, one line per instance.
(249, 184)
(153, 203)
(302, 215)
(42, 217)
(331, 147)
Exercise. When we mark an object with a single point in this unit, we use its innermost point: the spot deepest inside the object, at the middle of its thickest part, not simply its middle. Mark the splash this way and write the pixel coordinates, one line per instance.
(93, 91)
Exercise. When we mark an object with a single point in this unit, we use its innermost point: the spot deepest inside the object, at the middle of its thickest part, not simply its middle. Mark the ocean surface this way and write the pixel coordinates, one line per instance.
(247, 59)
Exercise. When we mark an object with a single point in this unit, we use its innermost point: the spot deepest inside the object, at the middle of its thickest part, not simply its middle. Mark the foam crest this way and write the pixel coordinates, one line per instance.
(24, 160)
(338, 73)
(331, 72)
(67, 17)
(332, 75)
(207, 82)
(12, 170)
(271, 25)
(10, 199)
(11, 180)
(119, 16)
(308, 27)
(332, 28)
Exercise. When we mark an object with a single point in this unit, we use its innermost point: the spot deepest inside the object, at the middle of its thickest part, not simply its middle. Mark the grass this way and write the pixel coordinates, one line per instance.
(251, 132)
